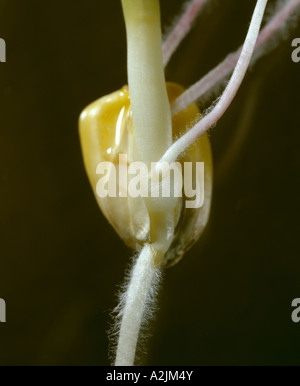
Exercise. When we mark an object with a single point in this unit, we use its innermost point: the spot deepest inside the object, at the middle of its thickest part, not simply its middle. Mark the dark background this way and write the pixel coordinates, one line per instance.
(228, 302)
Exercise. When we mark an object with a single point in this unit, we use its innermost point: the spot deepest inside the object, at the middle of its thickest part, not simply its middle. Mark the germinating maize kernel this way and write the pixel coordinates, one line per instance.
(106, 131)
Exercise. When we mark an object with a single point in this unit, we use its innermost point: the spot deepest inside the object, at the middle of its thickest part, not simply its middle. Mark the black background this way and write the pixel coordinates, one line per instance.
(228, 302)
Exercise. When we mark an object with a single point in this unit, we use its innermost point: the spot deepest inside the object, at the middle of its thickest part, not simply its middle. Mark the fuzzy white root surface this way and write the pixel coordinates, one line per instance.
(229, 93)
(136, 304)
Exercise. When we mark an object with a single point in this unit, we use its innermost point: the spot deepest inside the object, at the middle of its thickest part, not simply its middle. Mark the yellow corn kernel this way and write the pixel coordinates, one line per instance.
(106, 131)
